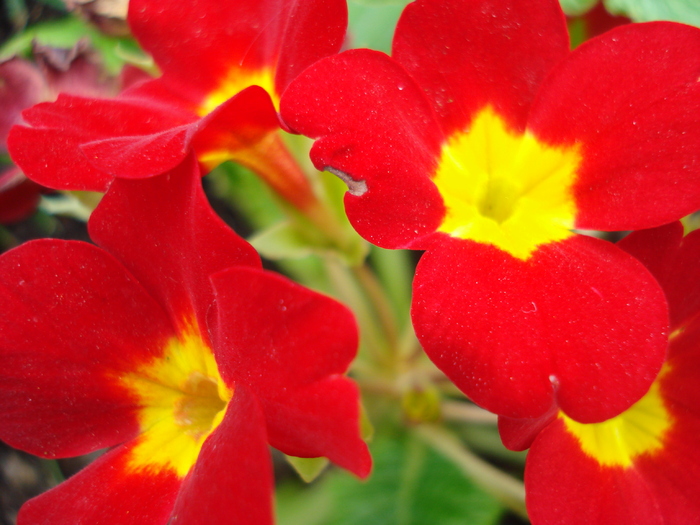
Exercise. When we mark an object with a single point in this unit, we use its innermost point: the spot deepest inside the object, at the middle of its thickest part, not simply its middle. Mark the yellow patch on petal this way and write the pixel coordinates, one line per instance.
(183, 399)
(236, 81)
(506, 189)
(637, 431)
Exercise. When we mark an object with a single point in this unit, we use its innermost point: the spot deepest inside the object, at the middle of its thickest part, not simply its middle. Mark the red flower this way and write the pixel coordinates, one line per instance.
(172, 346)
(486, 142)
(224, 67)
(641, 467)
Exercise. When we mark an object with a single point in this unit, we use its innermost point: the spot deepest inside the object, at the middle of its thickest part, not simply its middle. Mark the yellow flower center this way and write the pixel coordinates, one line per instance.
(506, 189)
(183, 399)
(637, 431)
(236, 81)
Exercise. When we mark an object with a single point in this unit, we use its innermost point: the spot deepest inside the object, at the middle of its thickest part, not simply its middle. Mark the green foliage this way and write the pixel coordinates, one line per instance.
(410, 485)
(66, 32)
(577, 7)
(307, 468)
(369, 20)
(686, 11)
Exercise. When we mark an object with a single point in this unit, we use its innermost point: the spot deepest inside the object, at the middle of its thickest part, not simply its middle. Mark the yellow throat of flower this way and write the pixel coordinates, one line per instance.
(183, 399)
(236, 81)
(506, 189)
(637, 431)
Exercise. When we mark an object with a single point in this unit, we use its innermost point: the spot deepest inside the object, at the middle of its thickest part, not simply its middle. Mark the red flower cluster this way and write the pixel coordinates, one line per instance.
(169, 344)
(643, 465)
(484, 141)
(224, 67)
(172, 346)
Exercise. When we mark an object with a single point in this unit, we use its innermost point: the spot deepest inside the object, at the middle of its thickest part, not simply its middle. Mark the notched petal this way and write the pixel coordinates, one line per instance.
(355, 187)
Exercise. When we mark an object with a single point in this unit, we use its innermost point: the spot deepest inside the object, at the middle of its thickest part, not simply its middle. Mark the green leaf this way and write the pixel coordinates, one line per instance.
(577, 7)
(685, 11)
(65, 32)
(281, 241)
(410, 485)
(371, 23)
(307, 468)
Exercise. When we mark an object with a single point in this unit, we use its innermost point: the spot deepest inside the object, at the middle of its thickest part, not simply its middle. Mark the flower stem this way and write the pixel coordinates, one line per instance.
(503, 486)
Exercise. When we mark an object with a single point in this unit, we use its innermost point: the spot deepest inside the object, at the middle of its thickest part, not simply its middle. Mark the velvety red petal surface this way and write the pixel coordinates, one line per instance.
(273, 334)
(105, 494)
(673, 260)
(565, 485)
(50, 153)
(232, 479)
(198, 43)
(180, 240)
(580, 323)
(237, 124)
(630, 98)
(72, 318)
(377, 128)
(466, 54)
(320, 420)
(518, 434)
(287, 344)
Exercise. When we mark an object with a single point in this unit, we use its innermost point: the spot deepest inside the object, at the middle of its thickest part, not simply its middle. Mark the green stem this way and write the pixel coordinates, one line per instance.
(467, 413)
(503, 486)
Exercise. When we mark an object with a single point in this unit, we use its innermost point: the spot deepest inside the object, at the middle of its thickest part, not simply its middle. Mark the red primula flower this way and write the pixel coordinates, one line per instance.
(641, 467)
(170, 345)
(224, 67)
(486, 142)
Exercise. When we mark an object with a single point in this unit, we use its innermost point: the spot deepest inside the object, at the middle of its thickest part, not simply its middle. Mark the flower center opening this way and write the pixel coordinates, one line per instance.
(639, 430)
(196, 410)
(236, 81)
(182, 399)
(506, 189)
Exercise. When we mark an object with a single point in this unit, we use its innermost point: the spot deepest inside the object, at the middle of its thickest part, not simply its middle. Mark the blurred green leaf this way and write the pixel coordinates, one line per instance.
(577, 7)
(59, 5)
(410, 485)
(65, 32)
(685, 11)
(372, 22)
(307, 468)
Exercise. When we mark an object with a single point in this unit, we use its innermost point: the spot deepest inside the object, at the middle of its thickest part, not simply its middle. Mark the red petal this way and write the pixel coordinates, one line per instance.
(275, 335)
(518, 434)
(580, 323)
(72, 319)
(50, 151)
(199, 43)
(140, 156)
(630, 98)
(232, 479)
(237, 124)
(180, 240)
(377, 128)
(566, 486)
(320, 420)
(673, 260)
(104, 493)
(469, 54)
